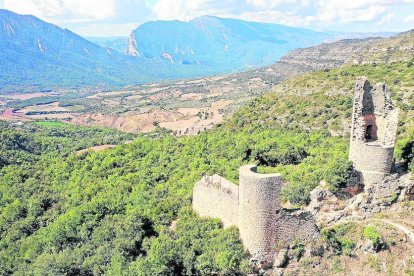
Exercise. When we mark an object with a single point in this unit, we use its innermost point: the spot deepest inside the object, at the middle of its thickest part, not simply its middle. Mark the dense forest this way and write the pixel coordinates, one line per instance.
(127, 210)
(112, 210)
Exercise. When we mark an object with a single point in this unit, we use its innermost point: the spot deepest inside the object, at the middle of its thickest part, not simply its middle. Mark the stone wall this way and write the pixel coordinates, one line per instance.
(373, 158)
(296, 225)
(358, 121)
(259, 206)
(255, 208)
(391, 124)
(216, 197)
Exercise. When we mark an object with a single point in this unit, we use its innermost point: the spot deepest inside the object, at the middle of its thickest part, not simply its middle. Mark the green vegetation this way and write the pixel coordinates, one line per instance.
(374, 262)
(337, 266)
(371, 233)
(25, 145)
(323, 100)
(298, 249)
(51, 124)
(76, 214)
(46, 99)
(127, 210)
(341, 238)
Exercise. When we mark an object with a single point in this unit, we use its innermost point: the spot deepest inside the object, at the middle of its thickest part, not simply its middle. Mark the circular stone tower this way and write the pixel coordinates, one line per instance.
(373, 131)
(259, 206)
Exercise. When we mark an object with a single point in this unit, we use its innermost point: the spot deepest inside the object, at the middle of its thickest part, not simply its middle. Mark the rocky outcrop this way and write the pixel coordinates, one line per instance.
(328, 208)
(132, 49)
(225, 44)
(392, 189)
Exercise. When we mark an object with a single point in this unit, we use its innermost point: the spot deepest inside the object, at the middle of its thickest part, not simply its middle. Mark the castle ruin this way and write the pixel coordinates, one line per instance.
(373, 132)
(254, 207)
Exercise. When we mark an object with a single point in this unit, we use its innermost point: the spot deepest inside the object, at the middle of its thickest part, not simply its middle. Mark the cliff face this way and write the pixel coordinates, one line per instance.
(44, 55)
(132, 46)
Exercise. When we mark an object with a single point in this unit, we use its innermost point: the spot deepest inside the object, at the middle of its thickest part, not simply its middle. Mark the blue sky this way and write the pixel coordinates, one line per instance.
(120, 17)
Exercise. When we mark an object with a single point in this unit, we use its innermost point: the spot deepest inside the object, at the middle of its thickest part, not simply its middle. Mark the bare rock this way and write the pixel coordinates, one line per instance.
(281, 258)
(278, 272)
(315, 249)
(370, 247)
(318, 194)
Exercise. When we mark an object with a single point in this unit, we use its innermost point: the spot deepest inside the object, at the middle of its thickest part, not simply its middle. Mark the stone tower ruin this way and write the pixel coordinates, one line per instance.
(259, 206)
(373, 131)
(254, 207)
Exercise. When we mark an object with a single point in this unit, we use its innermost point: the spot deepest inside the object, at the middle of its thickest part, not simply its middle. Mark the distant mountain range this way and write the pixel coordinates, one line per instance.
(227, 44)
(35, 55)
(119, 43)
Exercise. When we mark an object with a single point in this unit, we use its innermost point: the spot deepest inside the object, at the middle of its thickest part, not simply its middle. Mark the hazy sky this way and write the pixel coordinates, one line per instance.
(120, 17)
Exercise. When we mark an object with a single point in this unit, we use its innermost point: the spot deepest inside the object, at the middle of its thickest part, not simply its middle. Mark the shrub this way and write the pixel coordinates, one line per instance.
(372, 234)
(337, 238)
(298, 249)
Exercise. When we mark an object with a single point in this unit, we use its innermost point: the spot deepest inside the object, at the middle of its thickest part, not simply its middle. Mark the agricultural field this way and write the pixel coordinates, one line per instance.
(184, 107)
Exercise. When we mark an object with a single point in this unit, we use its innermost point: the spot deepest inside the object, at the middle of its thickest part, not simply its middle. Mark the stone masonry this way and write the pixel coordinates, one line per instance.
(259, 206)
(373, 132)
(254, 207)
(215, 196)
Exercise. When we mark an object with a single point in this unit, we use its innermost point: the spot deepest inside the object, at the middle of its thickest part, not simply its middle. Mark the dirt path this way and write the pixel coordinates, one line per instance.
(400, 227)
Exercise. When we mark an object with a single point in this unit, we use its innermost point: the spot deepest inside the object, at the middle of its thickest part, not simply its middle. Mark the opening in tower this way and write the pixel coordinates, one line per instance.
(369, 133)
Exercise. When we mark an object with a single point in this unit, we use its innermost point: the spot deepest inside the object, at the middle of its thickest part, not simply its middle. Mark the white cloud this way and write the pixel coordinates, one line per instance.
(329, 14)
(386, 19)
(103, 17)
(81, 10)
(186, 10)
(72, 10)
(357, 10)
(271, 4)
(261, 10)
(409, 19)
(292, 12)
(85, 16)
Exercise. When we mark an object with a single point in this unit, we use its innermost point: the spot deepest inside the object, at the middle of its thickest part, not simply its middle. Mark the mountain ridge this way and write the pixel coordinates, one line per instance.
(38, 55)
(240, 43)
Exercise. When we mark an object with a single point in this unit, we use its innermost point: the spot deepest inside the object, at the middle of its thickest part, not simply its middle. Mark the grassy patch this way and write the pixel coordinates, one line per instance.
(374, 262)
(50, 123)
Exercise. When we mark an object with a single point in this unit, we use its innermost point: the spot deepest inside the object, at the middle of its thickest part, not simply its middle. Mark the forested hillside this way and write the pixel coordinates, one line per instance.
(127, 210)
(323, 100)
(112, 211)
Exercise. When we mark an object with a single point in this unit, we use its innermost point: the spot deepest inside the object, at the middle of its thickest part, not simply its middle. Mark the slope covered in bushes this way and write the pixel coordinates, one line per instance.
(322, 100)
(127, 210)
(112, 210)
